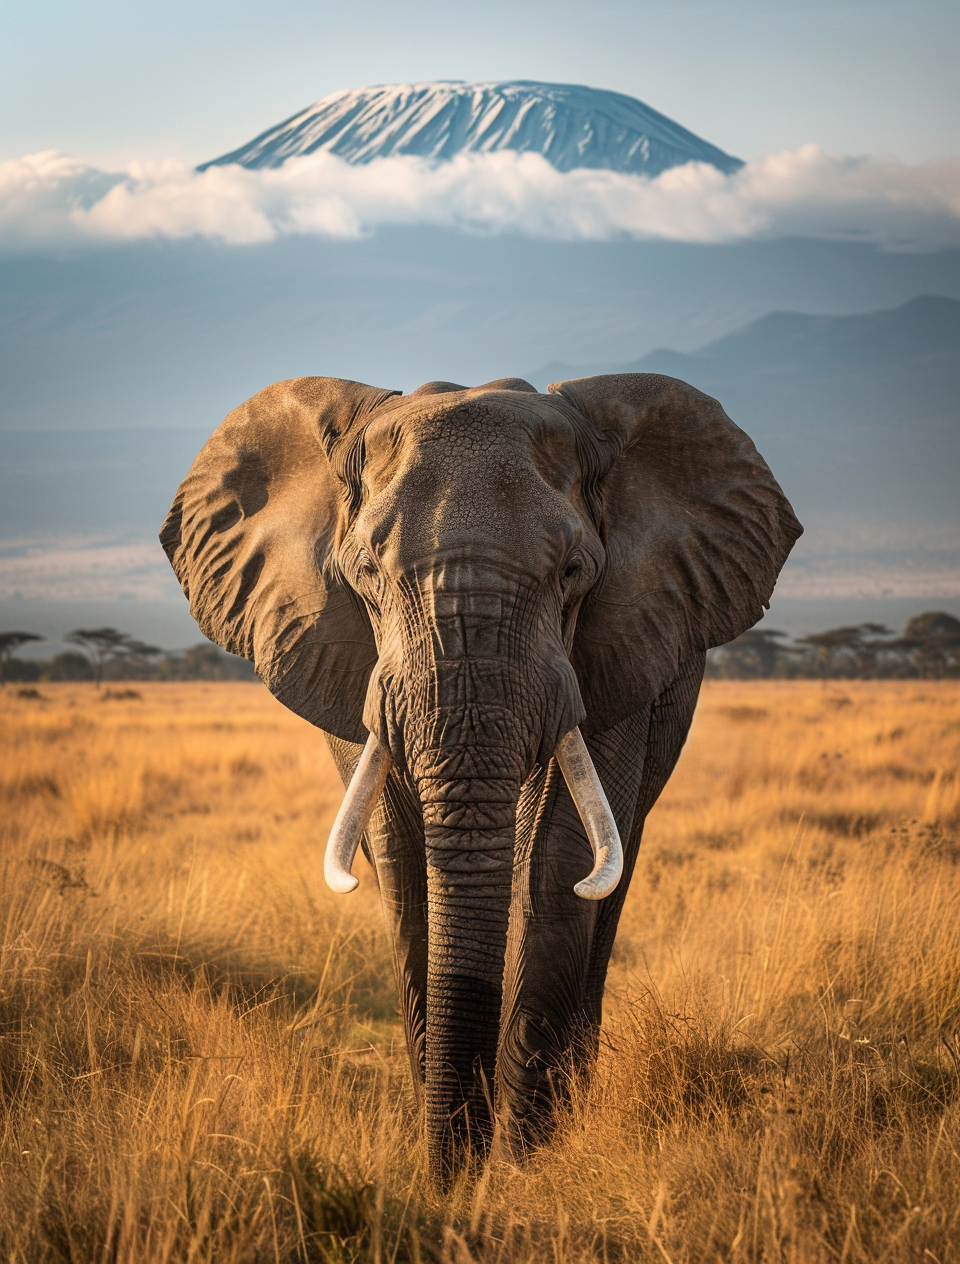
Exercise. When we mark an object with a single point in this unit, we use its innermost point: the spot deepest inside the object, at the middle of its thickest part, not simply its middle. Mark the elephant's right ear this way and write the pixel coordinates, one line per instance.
(250, 535)
(696, 529)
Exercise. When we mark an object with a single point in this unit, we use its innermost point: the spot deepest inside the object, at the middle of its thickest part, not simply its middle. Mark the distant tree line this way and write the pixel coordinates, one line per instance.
(106, 654)
(927, 649)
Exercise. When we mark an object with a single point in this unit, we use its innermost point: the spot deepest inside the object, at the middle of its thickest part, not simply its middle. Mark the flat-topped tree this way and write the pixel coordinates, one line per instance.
(932, 642)
(10, 642)
(755, 652)
(105, 645)
(853, 647)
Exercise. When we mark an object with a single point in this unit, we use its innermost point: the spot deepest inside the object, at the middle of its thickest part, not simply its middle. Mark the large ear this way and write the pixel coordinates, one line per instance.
(696, 530)
(250, 536)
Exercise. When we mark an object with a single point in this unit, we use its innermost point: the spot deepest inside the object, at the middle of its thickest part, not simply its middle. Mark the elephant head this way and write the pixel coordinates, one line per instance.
(462, 582)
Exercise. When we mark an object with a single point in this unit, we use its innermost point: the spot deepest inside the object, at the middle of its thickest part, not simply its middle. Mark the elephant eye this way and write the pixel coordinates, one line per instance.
(571, 571)
(366, 567)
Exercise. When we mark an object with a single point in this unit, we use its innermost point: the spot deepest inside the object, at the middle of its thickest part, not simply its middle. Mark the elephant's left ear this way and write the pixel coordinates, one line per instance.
(251, 536)
(696, 530)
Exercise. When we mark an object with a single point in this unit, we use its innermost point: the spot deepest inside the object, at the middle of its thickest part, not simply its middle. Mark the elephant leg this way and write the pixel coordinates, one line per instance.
(545, 1022)
(394, 845)
(670, 719)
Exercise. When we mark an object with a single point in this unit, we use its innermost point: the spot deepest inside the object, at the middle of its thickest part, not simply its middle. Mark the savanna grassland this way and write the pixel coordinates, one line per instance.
(200, 1055)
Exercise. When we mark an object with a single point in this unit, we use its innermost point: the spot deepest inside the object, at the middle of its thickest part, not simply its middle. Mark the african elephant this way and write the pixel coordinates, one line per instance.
(496, 604)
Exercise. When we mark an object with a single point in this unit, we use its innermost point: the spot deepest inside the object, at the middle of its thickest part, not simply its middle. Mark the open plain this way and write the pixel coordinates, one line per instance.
(200, 1053)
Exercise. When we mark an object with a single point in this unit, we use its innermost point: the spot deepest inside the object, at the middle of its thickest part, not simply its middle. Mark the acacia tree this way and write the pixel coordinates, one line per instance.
(105, 645)
(850, 651)
(10, 642)
(932, 641)
(755, 653)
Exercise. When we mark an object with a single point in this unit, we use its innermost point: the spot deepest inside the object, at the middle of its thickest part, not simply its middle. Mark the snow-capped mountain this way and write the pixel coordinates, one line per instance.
(570, 126)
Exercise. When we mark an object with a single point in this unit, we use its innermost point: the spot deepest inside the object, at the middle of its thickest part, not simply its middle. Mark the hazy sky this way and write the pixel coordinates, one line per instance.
(110, 80)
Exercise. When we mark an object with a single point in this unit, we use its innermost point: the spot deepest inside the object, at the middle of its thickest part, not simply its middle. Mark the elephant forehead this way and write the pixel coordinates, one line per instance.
(495, 437)
(469, 472)
(463, 478)
(468, 412)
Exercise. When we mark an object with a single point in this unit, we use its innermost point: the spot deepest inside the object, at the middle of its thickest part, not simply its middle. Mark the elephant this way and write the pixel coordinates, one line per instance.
(496, 604)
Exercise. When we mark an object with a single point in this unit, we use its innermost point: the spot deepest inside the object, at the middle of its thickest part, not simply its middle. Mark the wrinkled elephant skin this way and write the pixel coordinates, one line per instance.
(452, 584)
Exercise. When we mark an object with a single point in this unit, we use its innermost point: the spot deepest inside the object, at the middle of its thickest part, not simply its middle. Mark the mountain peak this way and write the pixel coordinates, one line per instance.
(569, 125)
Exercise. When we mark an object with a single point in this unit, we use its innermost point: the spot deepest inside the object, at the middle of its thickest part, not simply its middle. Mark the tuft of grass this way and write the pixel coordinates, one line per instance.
(200, 1054)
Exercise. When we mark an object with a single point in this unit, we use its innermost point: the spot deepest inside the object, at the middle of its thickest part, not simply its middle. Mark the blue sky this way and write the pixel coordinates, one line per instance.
(109, 81)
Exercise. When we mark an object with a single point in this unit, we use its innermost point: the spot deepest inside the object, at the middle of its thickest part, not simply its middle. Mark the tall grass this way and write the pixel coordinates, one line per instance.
(201, 1060)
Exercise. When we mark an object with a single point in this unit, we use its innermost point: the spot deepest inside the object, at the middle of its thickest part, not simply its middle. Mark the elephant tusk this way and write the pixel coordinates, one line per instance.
(366, 786)
(592, 805)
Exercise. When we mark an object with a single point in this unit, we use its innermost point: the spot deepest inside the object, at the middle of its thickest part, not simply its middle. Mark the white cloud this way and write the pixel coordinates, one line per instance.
(854, 577)
(49, 199)
(873, 556)
(86, 569)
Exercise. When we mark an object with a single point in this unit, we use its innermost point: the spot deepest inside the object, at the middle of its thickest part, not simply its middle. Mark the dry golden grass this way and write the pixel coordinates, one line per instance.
(200, 1058)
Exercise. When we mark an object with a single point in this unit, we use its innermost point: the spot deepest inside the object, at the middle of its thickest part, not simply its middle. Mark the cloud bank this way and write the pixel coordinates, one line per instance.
(86, 569)
(49, 200)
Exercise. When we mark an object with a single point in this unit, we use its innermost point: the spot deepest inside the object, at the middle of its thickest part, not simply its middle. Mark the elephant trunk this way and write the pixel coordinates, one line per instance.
(469, 877)
(468, 763)
(469, 796)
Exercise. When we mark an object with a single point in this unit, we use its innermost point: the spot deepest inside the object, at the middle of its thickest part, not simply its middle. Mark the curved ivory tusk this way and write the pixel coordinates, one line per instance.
(591, 803)
(366, 786)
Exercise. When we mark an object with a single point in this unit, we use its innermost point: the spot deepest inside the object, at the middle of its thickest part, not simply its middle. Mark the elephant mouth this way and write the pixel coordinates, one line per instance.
(579, 773)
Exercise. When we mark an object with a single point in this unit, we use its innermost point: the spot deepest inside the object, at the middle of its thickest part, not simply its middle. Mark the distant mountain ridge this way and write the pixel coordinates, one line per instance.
(569, 125)
(924, 331)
